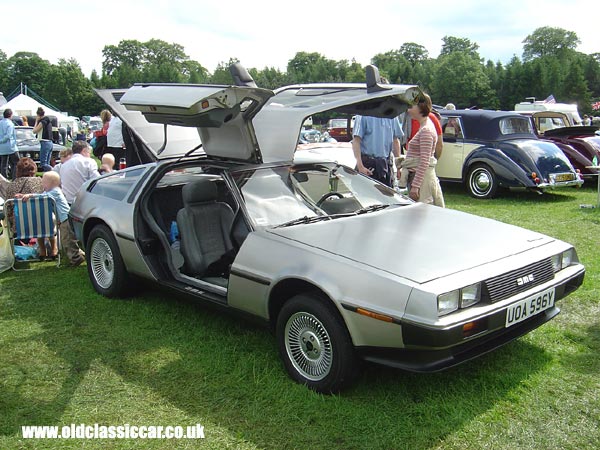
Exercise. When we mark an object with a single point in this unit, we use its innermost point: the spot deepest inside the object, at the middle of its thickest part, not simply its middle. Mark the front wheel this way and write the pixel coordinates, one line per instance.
(104, 263)
(482, 181)
(314, 344)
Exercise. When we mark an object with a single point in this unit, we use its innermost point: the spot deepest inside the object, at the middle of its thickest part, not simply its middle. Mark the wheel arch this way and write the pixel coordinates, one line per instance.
(290, 287)
(89, 225)
(506, 170)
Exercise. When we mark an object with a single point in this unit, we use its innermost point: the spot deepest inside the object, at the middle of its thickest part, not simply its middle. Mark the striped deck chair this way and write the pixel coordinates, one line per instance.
(33, 218)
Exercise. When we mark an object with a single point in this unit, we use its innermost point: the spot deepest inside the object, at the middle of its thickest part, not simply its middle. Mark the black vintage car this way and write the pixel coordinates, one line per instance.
(29, 146)
(487, 150)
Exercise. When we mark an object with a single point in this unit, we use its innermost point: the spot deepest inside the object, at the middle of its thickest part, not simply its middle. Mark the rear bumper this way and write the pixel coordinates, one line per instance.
(549, 186)
(432, 350)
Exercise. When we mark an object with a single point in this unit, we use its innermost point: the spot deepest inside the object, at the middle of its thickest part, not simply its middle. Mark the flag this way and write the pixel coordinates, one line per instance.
(550, 99)
(596, 106)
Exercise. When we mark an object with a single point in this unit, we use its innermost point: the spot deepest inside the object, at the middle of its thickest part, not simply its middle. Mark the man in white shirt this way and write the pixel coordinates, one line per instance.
(77, 170)
(114, 139)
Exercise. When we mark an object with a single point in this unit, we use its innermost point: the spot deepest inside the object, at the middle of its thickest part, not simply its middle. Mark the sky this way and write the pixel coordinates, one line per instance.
(266, 33)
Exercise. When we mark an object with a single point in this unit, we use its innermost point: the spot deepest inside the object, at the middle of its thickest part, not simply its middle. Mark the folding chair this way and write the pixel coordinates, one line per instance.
(33, 218)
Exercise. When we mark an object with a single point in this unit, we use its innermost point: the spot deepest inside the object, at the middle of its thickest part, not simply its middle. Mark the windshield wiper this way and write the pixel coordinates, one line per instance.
(371, 208)
(303, 220)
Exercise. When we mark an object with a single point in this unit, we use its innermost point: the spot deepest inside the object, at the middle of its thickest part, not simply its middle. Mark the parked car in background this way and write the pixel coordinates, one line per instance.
(548, 120)
(311, 136)
(568, 110)
(580, 144)
(29, 146)
(339, 129)
(488, 150)
(269, 238)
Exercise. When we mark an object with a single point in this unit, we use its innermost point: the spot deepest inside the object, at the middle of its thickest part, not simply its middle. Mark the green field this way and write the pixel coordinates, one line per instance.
(68, 355)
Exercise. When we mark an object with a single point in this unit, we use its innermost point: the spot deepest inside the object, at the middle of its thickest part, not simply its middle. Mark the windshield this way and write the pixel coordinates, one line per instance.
(277, 195)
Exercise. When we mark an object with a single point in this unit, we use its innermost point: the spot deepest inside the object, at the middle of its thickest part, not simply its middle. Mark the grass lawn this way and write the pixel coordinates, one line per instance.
(68, 355)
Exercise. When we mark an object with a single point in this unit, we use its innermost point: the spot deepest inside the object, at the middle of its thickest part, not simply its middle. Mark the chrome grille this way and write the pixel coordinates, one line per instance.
(515, 281)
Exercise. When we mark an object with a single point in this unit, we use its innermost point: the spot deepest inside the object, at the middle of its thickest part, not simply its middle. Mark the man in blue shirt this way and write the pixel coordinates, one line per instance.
(374, 140)
(9, 152)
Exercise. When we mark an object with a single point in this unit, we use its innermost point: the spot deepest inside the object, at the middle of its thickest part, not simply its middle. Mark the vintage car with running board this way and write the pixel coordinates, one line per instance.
(488, 150)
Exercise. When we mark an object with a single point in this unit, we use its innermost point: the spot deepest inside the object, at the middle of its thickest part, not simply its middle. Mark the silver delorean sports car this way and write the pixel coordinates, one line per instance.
(341, 267)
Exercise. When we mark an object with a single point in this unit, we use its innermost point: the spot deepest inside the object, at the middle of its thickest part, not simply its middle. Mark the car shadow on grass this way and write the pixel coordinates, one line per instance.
(458, 193)
(222, 370)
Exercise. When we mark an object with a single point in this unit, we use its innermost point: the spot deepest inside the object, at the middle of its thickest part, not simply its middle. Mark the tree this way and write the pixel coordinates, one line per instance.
(462, 45)
(155, 61)
(549, 41)
(592, 74)
(414, 53)
(269, 77)
(312, 68)
(195, 72)
(69, 89)
(575, 87)
(222, 74)
(4, 79)
(459, 78)
(28, 68)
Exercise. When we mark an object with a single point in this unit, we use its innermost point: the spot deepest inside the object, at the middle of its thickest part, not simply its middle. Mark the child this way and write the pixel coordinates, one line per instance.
(51, 184)
(108, 163)
(65, 155)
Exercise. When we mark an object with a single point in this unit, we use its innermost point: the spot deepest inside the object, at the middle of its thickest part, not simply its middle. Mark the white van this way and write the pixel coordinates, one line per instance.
(533, 106)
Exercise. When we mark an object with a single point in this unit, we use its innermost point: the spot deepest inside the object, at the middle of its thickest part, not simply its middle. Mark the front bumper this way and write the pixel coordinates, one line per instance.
(432, 350)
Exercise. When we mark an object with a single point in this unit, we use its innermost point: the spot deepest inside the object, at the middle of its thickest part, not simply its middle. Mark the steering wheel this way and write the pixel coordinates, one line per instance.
(327, 196)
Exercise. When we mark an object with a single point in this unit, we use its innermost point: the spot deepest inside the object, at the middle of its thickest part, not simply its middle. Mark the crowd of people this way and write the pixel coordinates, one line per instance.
(19, 180)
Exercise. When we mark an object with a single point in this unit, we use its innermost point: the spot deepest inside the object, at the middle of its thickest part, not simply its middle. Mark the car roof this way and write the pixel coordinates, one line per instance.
(483, 124)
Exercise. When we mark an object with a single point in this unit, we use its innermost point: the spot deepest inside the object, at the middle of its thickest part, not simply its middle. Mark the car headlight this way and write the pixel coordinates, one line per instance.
(470, 295)
(448, 302)
(563, 260)
(459, 298)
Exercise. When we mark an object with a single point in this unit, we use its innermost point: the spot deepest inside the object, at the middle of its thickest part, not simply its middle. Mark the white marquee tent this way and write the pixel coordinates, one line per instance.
(23, 105)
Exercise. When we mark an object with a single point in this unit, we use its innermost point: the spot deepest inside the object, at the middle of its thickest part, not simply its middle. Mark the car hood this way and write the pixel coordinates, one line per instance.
(417, 242)
(241, 122)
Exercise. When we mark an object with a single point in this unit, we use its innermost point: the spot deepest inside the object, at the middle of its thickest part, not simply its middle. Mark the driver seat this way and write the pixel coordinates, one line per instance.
(204, 227)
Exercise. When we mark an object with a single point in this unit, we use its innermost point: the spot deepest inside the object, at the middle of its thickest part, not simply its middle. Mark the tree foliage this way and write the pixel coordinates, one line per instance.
(549, 41)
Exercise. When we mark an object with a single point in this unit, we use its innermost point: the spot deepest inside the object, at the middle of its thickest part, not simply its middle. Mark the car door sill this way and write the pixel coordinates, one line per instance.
(203, 285)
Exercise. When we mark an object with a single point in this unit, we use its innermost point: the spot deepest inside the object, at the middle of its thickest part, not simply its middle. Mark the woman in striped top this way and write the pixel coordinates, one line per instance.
(423, 182)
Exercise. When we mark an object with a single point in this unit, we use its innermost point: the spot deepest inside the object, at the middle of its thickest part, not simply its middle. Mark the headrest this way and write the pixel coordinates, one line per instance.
(200, 191)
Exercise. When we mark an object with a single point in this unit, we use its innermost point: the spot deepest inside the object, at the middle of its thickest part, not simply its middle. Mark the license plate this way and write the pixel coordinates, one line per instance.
(564, 177)
(529, 307)
(343, 132)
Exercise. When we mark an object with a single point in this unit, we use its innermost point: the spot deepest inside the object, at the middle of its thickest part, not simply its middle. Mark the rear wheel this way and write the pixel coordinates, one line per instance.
(314, 344)
(104, 262)
(482, 181)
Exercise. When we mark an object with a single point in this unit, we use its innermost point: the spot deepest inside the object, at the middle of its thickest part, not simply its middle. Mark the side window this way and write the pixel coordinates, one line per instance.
(453, 128)
(118, 184)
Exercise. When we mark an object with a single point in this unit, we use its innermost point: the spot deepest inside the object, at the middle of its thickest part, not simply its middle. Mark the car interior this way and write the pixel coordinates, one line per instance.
(202, 223)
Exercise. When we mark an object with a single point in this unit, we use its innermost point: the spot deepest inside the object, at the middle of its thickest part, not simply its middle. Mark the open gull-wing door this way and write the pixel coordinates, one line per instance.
(279, 122)
(151, 135)
(220, 116)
